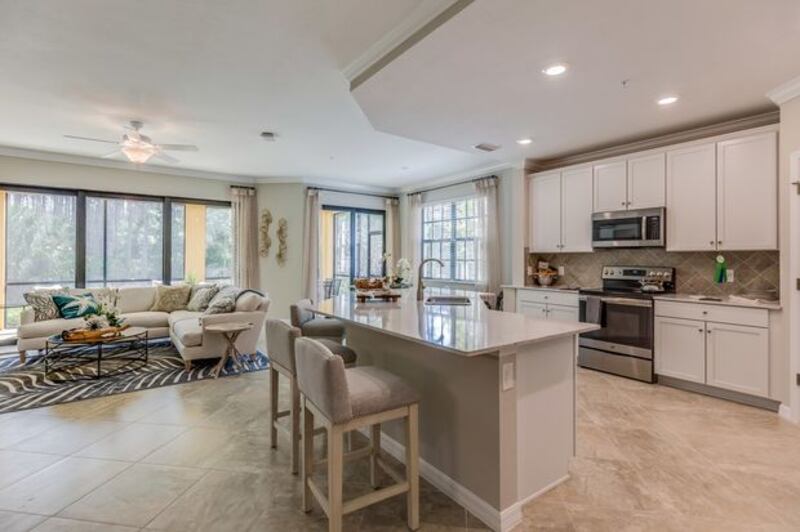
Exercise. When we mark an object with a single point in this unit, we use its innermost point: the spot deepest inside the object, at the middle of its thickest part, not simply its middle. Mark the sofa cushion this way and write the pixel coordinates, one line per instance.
(76, 306)
(171, 298)
(224, 302)
(147, 319)
(41, 329)
(180, 315)
(248, 301)
(41, 301)
(189, 332)
(201, 297)
(103, 295)
(135, 298)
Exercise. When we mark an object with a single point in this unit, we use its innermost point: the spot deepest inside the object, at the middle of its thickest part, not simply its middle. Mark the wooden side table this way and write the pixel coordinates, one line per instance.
(229, 331)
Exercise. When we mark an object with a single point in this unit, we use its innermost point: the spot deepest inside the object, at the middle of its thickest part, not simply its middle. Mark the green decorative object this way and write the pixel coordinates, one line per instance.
(76, 306)
(720, 270)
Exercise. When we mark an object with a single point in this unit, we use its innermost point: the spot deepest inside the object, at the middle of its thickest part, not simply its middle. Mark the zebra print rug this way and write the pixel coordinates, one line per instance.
(24, 386)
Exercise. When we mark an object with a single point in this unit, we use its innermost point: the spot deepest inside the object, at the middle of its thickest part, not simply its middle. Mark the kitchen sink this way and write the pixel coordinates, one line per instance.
(447, 300)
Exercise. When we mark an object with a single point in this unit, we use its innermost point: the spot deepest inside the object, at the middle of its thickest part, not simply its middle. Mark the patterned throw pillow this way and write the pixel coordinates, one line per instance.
(171, 298)
(201, 297)
(76, 306)
(41, 301)
(106, 296)
(224, 302)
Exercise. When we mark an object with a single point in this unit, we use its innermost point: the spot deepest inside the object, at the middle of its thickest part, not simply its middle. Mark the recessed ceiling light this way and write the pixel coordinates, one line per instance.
(524, 141)
(555, 70)
(667, 100)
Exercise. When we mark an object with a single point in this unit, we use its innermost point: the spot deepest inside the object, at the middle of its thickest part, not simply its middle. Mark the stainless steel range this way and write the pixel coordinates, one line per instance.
(623, 307)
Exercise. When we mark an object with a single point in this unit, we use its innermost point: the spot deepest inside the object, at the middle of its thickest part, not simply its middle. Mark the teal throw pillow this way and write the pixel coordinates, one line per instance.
(76, 306)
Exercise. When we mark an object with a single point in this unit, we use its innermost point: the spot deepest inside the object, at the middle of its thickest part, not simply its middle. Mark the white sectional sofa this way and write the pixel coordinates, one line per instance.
(186, 329)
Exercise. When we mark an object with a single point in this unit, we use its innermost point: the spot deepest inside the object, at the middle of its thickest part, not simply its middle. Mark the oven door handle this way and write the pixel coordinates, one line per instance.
(627, 302)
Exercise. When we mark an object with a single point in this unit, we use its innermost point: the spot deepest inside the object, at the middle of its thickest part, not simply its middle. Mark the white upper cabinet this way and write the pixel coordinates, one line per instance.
(646, 181)
(576, 209)
(545, 216)
(691, 198)
(610, 186)
(747, 194)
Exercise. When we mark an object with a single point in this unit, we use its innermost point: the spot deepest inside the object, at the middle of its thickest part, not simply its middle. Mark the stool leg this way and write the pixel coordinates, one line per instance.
(412, 466)
(295, 425)
(273, 407)
(308, 455)
(335, 480)
(373, 455)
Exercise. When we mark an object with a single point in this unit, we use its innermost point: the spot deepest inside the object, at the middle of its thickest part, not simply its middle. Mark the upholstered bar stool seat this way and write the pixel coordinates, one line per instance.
(303, 317)
(350, 399)
(347, 354)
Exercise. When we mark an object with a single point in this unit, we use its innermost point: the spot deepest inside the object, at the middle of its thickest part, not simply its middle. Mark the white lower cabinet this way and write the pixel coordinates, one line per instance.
(731, 354)
(680, 347)
(562, 313)
(737, 358)
(532, 309)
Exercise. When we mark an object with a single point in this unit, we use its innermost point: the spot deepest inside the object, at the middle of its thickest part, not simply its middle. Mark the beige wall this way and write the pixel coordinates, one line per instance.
(283, 283)
(789, 143)
(19, 171)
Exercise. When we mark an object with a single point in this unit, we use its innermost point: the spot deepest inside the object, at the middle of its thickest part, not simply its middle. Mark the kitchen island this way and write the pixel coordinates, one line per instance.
(497, 409)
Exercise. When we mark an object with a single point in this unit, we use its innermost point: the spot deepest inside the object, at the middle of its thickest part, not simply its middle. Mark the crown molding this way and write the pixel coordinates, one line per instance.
(785, 92)
(326, 183)
(422, 21)
(653, 142)
(48, 156)
(456, 179)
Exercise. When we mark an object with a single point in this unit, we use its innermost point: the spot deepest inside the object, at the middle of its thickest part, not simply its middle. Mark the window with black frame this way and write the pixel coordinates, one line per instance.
(352, 243)
(449, 233)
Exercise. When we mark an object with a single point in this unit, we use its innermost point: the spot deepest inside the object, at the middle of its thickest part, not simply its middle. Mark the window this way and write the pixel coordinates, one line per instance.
(202, 242)
(124, 242)
(351, 243)
(449, 233)
(39, 246)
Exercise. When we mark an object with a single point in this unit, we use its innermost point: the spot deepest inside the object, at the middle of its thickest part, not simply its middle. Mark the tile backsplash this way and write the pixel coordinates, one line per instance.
(754, 271)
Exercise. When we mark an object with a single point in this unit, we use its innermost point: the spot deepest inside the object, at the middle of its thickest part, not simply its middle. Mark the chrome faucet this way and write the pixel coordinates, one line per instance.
(420, 284)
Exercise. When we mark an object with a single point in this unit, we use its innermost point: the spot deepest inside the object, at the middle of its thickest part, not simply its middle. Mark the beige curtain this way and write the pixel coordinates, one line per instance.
(488, 236)
(414, 232)
(392, 233)
(245, 237)
(311, 245)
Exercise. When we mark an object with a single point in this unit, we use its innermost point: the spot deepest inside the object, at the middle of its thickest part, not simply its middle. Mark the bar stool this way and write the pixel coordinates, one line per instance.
(346, 400)
(303, 317)
(280, 349)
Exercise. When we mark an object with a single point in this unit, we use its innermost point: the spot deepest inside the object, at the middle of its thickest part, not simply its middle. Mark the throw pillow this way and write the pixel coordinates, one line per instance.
(171, 298)
(201, 298)
(224, 302)
(41, 301)
(106, 296)
(76, 306)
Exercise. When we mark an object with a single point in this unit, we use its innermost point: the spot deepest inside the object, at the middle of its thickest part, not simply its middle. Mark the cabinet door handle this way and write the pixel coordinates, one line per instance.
(719, 242)
(709, 331)
(699, 330)
(712, 242)
(623, 204)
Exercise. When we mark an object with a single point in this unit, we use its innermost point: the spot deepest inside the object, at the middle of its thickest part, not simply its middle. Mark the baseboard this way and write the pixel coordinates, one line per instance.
(720, 393)
(494, 519)
(785, 412)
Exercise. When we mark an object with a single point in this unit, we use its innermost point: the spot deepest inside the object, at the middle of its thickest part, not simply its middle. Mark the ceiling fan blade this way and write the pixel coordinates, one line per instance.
(178, 147)
(76, 137)
(111, 154)
(167, 158)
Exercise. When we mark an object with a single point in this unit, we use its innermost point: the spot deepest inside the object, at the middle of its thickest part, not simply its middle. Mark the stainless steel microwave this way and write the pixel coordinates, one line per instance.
(628, 229)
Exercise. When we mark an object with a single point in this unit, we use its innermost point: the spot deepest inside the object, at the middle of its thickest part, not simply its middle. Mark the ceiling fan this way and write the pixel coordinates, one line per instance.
(139, 148)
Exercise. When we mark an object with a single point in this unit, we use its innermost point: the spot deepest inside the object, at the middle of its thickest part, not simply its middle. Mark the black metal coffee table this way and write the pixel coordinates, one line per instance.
(96, 358)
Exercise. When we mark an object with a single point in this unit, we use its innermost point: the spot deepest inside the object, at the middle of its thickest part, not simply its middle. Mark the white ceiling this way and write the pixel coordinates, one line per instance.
(211, 73)
(478, 77)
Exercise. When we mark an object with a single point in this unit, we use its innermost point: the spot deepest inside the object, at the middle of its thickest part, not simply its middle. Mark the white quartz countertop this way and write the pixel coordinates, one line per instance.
(724, 300)
(464, 330)
(555, 288)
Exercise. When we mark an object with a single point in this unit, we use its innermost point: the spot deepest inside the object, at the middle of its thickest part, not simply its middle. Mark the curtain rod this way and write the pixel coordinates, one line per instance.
(243, 186)
(423, 191)
(356, 193)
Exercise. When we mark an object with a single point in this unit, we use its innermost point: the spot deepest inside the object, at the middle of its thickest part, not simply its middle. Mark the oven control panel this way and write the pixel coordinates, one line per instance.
(638, 273)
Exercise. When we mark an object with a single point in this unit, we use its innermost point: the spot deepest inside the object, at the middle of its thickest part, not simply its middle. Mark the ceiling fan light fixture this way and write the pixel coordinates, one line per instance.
(139, 153)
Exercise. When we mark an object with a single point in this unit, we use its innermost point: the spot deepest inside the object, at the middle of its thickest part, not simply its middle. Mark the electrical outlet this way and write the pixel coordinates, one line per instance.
(730, 276)
(508, 376)
(561, 271)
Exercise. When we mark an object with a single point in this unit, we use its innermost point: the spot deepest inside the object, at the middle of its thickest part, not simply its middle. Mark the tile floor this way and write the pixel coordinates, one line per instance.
(195, 457)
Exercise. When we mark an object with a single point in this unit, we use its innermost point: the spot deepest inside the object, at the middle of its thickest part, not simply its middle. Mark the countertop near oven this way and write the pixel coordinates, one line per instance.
(724, 300)
(555, 288)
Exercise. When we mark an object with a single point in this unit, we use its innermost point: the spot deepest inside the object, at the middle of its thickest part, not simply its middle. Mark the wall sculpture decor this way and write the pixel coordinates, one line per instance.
(282, 231)
(263, 229)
